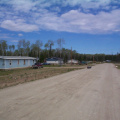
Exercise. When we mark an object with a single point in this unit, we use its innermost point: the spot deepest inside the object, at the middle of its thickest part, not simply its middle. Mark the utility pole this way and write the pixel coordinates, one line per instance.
(50, 50)
(93, 59)
(71, 55)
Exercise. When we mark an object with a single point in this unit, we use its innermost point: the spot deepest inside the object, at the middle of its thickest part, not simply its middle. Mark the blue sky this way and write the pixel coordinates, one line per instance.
(88, 26)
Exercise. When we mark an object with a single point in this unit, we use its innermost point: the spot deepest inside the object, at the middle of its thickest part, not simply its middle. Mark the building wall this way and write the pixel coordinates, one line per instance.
(9, 64)
(1, 63)
(73, 61)
(54, 62)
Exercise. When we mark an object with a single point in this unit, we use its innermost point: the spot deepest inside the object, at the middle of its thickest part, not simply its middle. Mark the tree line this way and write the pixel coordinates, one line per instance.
(38, 50)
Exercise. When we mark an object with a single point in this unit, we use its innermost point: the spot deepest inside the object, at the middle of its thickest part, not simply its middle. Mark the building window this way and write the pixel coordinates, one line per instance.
(33, 61)
(18, 62)
(24, 62)
(10, 62)
(3, 62)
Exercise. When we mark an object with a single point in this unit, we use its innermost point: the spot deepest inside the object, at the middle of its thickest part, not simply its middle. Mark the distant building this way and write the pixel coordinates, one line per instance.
(54, 60)
(73, 61)
(84, 62)
(108, 60)
(10, 62)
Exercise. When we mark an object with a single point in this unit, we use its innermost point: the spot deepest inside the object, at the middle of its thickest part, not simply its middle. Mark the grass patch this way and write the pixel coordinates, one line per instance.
(117, 65)
(18, 76)
(52, 65)
(3, 72)
(66, 65)
(13, 71)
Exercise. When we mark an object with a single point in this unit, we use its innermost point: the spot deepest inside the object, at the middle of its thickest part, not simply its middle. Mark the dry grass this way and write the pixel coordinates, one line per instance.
(117, 65)
(14, 77)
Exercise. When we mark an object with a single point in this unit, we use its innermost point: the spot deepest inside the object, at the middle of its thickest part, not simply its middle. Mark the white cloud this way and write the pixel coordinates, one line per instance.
(72, 21)
(26, 5)
(15, 41)
(75, 21)
(18, 25)
(20, 34)
(37, 17)
(23, 5)
(56, 9)
(3, 36)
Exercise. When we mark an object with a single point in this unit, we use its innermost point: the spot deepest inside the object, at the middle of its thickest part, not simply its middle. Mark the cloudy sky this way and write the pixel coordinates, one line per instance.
(88, 26)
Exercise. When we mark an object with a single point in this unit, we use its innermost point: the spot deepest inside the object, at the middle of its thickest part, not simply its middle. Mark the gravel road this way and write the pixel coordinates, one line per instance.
(87, 94)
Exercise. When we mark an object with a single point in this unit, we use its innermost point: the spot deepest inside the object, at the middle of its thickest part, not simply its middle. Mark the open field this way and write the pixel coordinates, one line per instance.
(17, 76)
(87, 94)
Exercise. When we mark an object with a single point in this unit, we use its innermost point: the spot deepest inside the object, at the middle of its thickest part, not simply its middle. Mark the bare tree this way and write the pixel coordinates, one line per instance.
(38, 44)
(46, 48)
(27, 47)
(24, 47)
(10, 48)
(60, 43)
(13, 48)
(20, 47)
(3, 47)
(49, 45)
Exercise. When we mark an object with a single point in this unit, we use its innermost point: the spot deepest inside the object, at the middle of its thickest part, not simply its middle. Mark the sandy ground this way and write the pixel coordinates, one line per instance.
(87, 94)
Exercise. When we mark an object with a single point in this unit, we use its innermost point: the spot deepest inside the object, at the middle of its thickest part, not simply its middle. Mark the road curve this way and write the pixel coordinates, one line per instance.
(87, 94)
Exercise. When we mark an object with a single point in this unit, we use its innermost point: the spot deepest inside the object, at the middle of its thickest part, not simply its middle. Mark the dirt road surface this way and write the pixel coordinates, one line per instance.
(87, 94)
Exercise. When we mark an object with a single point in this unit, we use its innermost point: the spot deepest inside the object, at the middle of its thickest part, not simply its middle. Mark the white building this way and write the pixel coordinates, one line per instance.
(11, 62)
(54, 60)
(73, 61)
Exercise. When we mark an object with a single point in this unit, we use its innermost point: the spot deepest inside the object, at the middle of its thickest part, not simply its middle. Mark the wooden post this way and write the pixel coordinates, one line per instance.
(71, 55)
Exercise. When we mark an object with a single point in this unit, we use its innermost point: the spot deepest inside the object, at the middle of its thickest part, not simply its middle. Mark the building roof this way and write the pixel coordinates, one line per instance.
(72, 59)
(17, 57)
(53, 59)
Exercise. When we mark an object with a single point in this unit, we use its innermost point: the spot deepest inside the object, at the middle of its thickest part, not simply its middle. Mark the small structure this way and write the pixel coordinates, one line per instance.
(11, 62)
(54, 60)
(108, 61)
(84, 62)
(73, 61)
